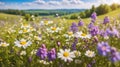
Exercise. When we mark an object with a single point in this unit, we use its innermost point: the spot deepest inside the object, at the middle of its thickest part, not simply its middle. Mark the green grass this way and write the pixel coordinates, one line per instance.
(111, 14)
(8, 17)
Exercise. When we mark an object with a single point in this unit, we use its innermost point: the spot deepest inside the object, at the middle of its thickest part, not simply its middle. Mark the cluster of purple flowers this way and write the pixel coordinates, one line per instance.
(115, 55)
(103, 33)
(105, 50)
(43, 53)
(52, 54)
(94, 30)
(110, 32)
(91, 25)
(93, 17)
(106, 20)
(81, 23)
(74, 27)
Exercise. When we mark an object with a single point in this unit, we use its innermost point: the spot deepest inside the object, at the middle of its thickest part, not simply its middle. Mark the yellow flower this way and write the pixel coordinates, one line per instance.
(53, 28)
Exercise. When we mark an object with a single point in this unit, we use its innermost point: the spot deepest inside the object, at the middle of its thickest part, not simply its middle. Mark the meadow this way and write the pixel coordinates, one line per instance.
(60, 42)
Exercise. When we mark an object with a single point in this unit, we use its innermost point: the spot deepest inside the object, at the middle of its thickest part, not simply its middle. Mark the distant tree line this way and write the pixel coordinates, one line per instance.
(12, 11)
(39, 12)
(102, 9)
(17, 12)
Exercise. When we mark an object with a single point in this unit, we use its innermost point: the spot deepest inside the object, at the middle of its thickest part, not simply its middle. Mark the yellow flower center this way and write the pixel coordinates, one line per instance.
(3, 45)
(24, 30)
(83, 34)
(66, 54)
(23, 42)
(70, 33)
(31, 28)
(46, 22)
(89, 53)
(25, 25)
(54, 28)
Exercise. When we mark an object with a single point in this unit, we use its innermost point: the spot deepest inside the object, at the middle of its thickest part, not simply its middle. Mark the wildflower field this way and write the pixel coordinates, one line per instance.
(58, 42)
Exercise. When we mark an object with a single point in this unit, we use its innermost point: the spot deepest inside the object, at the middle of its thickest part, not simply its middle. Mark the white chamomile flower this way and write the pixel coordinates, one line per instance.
(4, 44)
(25, 26)
(32, 29)
(82, 35)
(53, 29)
(24, 30)
(33, 52)
(23, 43)
(69, 34)
(66, 55)
(89, 53)
(77, 53)
(23, 53)
(45, 22)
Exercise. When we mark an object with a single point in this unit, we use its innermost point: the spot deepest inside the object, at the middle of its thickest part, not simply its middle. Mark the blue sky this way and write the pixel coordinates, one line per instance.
(52, 4)
(21, 1)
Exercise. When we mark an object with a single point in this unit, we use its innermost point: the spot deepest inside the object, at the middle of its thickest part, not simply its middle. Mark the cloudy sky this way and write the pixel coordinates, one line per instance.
(52, 4)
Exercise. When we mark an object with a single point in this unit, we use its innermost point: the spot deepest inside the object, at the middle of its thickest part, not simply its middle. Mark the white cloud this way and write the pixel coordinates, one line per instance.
(39, 2)
(2, 3)
(108, 1)
(54, 4)
(76, 2)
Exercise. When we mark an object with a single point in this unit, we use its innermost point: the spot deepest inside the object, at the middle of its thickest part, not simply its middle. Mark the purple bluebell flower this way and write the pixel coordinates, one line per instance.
(116, 32)
(109, 32)
(94, 31)
(91, 25)
(103, 48)
(115, 56)
(42, 52)
(52, 54)
(74, 43)
(93, 17)
(112, 32)
(74, 46)
(103, 33)
(106, 20)
(74, 27)
(81, 23)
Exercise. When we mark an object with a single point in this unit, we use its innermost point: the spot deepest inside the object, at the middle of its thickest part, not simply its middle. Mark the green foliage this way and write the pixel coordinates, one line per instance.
(114, 6)
(74, 16)
(27, 17)
(82, 15)
(88, 13)
(93, 9)
(11, 11)
(103, 9)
